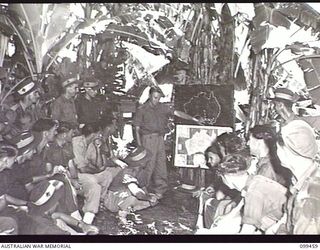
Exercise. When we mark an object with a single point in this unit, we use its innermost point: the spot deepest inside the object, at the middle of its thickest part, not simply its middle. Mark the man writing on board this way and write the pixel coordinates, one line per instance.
(150, 123)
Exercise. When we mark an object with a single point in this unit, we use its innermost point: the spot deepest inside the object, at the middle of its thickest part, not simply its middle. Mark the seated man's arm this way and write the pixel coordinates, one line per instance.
(79, 155)
(95, 156)
(15, 201)
(135, 190)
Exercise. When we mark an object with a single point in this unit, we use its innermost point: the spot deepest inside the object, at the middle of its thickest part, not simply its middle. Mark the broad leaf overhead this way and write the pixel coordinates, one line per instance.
(41, 25)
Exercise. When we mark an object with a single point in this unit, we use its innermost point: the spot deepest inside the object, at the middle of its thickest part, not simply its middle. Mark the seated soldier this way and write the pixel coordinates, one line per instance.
(12, 209)
(8, 128)
(60, 153)
(208, 195)
(48, 209)
(95, 168)
(27, 167)
(262, 200)
(127, 190)
(217, 192)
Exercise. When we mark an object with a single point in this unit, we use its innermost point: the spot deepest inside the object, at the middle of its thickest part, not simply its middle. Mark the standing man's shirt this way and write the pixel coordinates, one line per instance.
(153, 119)
(88, 111)
(64, 109)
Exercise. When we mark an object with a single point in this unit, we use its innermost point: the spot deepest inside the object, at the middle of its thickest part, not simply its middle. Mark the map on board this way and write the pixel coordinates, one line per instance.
(212, 103)
(192, 140)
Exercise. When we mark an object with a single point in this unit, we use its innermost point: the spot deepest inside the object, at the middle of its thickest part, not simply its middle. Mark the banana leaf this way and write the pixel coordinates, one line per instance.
(3, 47)
(311, 71)
(134, 33)
(54, 52)
(6, 30)
(302, 14)
(128, 31)
(41, 24)
(310, 65)
(263, 13)
(260, 33)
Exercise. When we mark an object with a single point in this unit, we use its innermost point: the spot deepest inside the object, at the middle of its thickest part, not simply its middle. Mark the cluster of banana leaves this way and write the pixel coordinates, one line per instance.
(266, 69)
(196, 38)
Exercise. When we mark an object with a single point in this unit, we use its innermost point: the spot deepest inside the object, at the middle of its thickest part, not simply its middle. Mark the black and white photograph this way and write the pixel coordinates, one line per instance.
(158, 119)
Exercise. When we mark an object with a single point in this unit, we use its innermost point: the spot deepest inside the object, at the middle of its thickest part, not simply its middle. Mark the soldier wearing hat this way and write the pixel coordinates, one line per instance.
(13, 208)
(50, 211)
(63, 108)
(28, 96)
(127, 191)
(150, 123)
(26, 142)
(283, 100)
(297, 151)
(88, 105)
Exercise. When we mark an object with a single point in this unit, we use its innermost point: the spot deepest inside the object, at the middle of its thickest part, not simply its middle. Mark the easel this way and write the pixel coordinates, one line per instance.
(197, 176)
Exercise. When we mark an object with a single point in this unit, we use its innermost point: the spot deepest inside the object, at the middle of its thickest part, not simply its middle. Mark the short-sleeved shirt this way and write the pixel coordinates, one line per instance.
(80, 146)
(264, 202)
(88, 110)
(153, 119)
(64, 109)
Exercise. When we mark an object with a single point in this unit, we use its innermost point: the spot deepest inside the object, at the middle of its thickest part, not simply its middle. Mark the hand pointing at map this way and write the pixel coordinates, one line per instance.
(183, 115)
(200, 121)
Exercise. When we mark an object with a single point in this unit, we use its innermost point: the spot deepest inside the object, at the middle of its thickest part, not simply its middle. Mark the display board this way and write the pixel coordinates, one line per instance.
(193, 139)
(213, 103)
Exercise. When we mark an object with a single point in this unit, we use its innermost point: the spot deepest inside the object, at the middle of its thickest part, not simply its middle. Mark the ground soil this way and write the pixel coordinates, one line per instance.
(175, 214)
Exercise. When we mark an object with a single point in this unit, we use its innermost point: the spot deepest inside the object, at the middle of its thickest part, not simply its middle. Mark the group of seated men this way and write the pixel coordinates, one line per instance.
(57, 171)
(268, 184)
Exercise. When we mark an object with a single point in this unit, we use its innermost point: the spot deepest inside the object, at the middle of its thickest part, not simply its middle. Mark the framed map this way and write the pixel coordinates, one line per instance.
(213, 103)
(193, 139)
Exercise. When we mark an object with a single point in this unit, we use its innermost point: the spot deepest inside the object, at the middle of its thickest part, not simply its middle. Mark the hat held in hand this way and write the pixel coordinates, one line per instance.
(138, 157)
(45, 195)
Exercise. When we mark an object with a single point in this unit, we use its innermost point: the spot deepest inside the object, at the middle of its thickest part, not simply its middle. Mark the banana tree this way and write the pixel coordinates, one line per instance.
(42, 31)
(268, 52)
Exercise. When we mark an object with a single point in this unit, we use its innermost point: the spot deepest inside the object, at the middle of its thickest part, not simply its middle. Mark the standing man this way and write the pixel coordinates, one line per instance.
(150, 123)
(63, 108)
(28, 96)
(88, 107)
